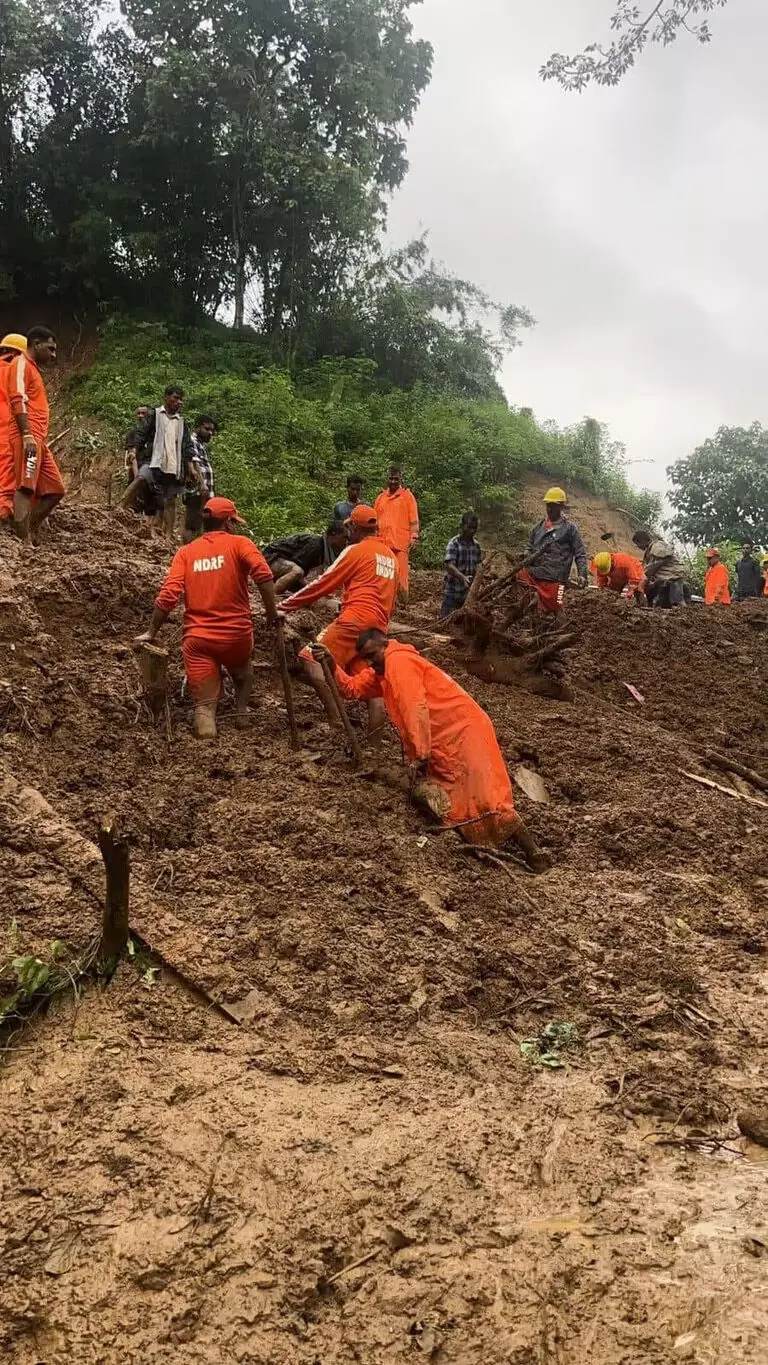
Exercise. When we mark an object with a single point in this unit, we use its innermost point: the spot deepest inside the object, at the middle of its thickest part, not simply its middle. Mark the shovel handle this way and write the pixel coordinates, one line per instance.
(287, 689)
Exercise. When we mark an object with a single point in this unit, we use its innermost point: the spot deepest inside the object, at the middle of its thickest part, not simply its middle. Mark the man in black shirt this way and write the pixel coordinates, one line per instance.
(749, 580)
(293, 557)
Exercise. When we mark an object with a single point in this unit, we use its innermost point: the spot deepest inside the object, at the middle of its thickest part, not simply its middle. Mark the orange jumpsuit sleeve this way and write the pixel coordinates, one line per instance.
(363, 687)
(258, 568)
(405, 680)
(18, 396)
(324, 586)
(170, 593)
(413, 510)
(635, 574)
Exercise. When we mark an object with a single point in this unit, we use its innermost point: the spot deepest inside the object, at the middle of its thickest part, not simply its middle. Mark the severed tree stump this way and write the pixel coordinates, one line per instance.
(114, 928)
(153, 667)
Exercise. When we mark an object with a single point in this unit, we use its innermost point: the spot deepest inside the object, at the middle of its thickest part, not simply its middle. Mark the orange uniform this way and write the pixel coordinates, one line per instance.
(212, 574)
(367, 575)
(717, 585)
(22, 390)
(397, 515)
(438, 721)
(626, 575)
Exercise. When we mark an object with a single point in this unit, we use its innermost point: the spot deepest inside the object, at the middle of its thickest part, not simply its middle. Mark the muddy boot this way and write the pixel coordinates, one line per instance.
(536, 858)
(204, 720)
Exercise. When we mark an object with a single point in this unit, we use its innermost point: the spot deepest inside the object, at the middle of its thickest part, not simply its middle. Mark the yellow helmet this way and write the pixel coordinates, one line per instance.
(603, 562)
(13, 341)
(555, 495)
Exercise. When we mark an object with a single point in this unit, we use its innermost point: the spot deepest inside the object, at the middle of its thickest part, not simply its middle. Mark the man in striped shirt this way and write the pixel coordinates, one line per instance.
(30, 482)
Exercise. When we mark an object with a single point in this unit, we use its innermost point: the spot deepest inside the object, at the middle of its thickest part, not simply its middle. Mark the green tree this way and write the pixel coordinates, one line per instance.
(420, 324)
(634, 26)
(720, 492)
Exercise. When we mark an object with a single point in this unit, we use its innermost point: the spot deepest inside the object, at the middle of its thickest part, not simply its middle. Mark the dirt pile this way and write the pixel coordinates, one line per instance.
(367, 952)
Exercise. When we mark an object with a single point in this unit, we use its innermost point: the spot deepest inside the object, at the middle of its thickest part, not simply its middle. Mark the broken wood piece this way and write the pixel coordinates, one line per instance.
(728, 791)
(633, 692)
(35, 822)
(114, 929)
(729, 765)
(153, 667)
(362, 1260)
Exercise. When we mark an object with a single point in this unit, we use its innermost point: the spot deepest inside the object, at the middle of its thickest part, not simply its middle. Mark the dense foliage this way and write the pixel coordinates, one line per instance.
(194, 150)
(286, 443)
(633, 27)
(720, 492)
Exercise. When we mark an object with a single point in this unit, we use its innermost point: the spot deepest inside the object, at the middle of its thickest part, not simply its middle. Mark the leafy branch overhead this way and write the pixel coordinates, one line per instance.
(634, 27)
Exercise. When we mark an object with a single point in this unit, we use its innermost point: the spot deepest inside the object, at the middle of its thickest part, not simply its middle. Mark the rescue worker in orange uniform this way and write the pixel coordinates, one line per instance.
(30, 482)
(765, 575)
(619, 572)
(212, 573)
(398, 516)
(717, 582)
(13, 343)
(366, 572)
(448, 739)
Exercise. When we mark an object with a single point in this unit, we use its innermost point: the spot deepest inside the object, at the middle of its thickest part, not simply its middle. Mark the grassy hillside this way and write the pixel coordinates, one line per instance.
(286, 443)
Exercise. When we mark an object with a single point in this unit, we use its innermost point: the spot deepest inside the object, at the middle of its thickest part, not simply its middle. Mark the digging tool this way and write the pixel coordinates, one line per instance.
(153, 667)
(354, 743)
(287, 690)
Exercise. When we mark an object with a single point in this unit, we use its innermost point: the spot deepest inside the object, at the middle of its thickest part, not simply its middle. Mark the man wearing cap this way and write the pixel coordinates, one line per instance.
(619, 572)
(366, 573)
(398, 517)
(212, 573)
(293, 557)
(30, 482)
(717, 583)
(13, 343)
(553, 546)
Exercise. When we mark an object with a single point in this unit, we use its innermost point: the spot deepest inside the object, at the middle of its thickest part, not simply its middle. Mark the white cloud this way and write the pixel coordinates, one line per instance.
(633, 222)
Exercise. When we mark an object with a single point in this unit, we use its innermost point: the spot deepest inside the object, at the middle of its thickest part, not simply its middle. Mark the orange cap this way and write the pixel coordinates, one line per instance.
(713, 553)
(361, 516)
(223, 509)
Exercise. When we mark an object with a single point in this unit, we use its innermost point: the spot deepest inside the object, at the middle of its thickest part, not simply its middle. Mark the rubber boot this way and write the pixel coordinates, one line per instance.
(204, 720)
(536, 858)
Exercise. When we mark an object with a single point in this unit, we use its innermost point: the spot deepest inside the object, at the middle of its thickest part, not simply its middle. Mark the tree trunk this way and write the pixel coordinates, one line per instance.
(114, 930)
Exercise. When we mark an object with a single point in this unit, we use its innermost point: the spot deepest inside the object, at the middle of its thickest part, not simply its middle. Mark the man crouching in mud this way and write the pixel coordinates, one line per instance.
(448, 739)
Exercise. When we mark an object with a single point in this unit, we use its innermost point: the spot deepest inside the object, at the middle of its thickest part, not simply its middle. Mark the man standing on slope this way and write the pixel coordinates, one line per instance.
(30, 482)
(212, 573)
(167, 437)
(553, 545)
(447, 737)
(367, 575)
(748, 576)
(619, 572)
(717, 583)
(398, 516)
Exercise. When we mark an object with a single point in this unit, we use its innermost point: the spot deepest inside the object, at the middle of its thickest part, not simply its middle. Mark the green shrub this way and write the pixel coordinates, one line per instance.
(285, 445)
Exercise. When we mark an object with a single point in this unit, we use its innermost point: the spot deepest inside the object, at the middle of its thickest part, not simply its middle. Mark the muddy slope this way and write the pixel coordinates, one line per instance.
(389, 981)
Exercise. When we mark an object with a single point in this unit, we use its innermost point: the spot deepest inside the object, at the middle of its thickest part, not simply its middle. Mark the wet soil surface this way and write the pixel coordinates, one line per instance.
(181, 1189)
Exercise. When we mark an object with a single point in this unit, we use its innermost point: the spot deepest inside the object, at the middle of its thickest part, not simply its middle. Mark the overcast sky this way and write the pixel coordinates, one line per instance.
(632, 222)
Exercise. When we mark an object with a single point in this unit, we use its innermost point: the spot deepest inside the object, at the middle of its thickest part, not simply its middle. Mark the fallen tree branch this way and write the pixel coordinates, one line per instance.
(38, 826)
(728, 791)
(729, 765)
